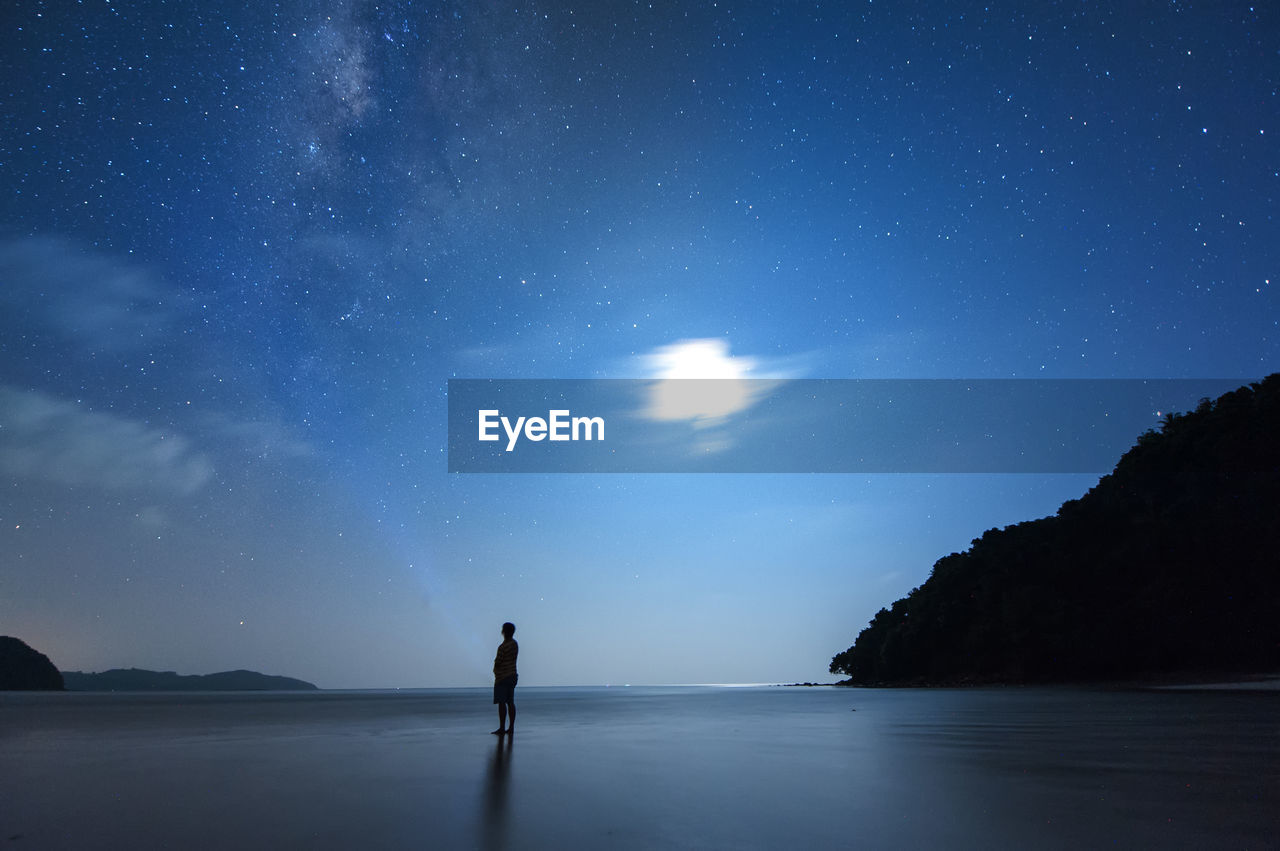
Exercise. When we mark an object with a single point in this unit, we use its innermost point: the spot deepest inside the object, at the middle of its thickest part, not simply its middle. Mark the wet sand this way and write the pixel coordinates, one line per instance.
(643, 768)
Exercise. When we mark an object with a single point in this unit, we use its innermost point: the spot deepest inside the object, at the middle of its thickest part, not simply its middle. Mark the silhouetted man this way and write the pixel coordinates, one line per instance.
(504, 679)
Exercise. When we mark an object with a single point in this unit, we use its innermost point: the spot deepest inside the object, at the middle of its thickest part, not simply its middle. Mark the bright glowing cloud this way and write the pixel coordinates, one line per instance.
(673, 397)
(707, 358)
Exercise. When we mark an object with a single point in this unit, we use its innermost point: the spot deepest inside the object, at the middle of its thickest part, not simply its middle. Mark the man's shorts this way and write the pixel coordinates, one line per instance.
(504, 691)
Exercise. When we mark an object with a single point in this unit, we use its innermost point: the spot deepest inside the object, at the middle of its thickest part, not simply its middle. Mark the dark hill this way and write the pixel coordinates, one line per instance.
(136, 679)
(1170, 564)
(25, 669)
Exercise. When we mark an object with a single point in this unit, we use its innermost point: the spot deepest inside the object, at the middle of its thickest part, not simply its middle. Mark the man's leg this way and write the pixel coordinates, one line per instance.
(512, 713)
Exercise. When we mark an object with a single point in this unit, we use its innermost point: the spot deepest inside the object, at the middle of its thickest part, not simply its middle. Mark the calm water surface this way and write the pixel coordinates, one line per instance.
(684, 767)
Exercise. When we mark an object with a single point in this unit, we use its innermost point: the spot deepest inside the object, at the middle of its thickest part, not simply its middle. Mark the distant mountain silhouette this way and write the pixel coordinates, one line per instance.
(1170, 564)
(136, 679)
(25, 669)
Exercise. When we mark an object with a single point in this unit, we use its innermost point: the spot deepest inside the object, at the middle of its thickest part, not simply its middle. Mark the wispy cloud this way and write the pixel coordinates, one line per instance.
(264, 438)
(52, 439)
(151, 519)
(96, 300)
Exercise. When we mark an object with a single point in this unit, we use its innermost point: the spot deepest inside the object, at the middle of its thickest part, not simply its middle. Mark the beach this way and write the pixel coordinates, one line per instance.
(643, 767)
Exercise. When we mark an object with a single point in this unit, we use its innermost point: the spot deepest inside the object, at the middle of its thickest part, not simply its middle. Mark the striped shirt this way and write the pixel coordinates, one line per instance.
(504, 664)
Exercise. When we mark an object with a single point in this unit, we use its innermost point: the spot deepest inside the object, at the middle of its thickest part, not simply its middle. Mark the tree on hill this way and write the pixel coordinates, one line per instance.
(25, 669)
(1168, 564)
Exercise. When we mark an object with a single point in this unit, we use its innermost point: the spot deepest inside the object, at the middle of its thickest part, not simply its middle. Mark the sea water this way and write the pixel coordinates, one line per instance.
(679, 767)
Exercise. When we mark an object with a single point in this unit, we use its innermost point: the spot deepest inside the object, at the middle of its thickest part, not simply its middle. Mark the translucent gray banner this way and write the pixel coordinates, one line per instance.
(808, 425)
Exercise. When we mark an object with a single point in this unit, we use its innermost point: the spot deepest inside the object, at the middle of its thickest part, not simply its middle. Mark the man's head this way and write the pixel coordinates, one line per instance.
(508, 629)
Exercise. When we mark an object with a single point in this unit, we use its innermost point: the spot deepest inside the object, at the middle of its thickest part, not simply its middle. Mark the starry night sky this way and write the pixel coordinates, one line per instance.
(242, 251)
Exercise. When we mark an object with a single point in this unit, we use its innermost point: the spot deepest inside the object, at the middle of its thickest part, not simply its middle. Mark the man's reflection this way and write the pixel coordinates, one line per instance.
(495, 811)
